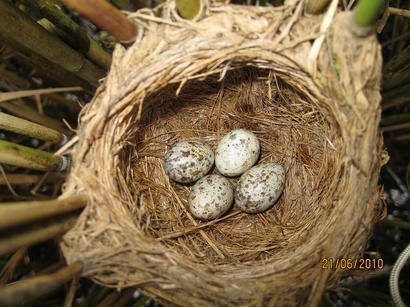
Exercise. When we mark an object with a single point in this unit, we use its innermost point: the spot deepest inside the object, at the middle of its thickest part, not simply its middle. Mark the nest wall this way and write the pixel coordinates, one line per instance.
(316, 113)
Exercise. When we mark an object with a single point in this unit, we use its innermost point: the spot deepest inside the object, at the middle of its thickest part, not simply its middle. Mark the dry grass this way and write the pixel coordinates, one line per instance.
(292, 132)
(198, 80)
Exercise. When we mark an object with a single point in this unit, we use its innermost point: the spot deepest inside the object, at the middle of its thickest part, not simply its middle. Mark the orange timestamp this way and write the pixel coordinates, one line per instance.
(355, 264)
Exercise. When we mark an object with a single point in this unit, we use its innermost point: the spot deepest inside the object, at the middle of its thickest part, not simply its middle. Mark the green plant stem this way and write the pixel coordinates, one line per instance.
(105, 16)
(395, 39)
(398, 61)
(277, 2)
(68, 302)
(126, 296)
(188, 9)
(370, 297)
(27, 157)
(110, 299)
(398, 79)
(15, 179)
(25, 127)
(52, 72)
(72, 105)
(396, 127)
(8, 270)
(395, 97)
(49, 268)
(21, 109)
(74, 35)
(402, 138)
(13, 78)
(316, 6)
(394, 223)
(367, 12)
(35, 233)
(396, 118)
(21, 33)
(142, 301)
(29, 289)
(17, 213)
(52, 11)
(404, 26)
(95, 297)
(125, 5)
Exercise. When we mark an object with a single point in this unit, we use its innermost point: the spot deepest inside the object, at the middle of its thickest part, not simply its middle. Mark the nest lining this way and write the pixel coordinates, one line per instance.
(292, 131)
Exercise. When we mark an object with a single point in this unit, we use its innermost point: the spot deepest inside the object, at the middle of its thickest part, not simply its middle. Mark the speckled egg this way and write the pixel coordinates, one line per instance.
(210, 197)
(260, 187)
(236, 152)
(188, 161)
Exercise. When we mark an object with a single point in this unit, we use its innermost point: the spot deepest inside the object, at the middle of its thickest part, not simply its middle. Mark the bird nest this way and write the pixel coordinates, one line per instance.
(307, 86)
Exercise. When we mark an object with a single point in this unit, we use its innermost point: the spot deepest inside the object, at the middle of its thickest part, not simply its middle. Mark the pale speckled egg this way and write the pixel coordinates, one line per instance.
(210, 197)
(260, 187)
(236, 152)
(187, 161)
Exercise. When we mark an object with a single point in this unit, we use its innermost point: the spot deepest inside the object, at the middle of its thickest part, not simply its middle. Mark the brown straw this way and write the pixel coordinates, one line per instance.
(232, 67)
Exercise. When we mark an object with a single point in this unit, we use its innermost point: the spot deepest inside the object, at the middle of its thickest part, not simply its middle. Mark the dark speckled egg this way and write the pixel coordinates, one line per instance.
(260, 187)
(210, 197)
(187, 161)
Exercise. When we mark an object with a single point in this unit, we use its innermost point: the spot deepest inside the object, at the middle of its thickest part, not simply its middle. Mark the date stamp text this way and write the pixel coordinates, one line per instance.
(355, 264)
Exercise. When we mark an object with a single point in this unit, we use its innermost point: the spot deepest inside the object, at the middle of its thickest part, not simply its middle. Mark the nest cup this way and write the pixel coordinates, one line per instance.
(311, 95)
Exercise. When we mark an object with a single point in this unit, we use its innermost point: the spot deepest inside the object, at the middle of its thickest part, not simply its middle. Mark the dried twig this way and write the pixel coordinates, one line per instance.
(16, 213)
(26, 290)
(106, 16)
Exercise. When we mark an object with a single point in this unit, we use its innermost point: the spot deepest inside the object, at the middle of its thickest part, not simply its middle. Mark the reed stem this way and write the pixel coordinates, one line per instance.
(58, 99)
(401, 12)
(142, 301)
(13, 78)
(23, 156)
(25, 127)
(23, 34)
(71, 31)
(15, 179)
(21, 109)
(68, 302)
(402, 138)
(125, 5)
(394, 223)
(109, 300)
(188, 9)
(126, 296)
(95, 297)
(396, 127)
(24, 291)
(316, 6)
(26, 93)
(105, 16)
(396, 118)
(367, 12)
(35, 233)
(8, 270)
(400, 78)
(17, 213)
(277, 2)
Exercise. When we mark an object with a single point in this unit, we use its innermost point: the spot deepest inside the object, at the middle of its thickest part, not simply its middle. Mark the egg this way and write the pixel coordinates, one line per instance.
(210, 197)
(260, 187)
(236, 152)
(187, 161)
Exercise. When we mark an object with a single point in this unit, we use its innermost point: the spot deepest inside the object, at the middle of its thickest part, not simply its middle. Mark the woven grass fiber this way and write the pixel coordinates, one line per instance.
(305, 85)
